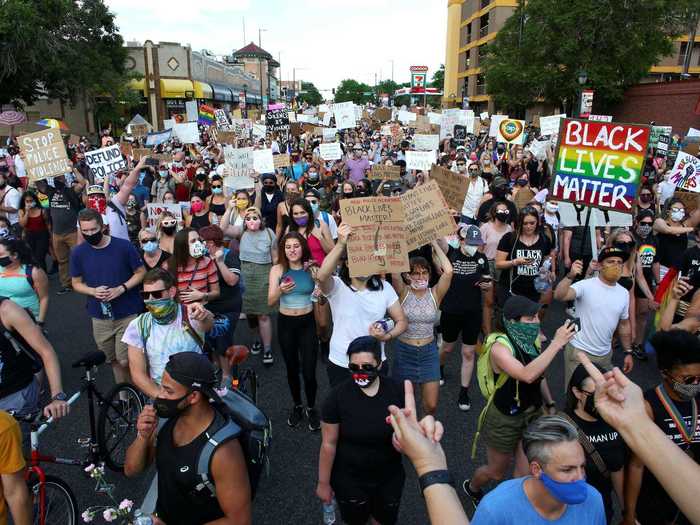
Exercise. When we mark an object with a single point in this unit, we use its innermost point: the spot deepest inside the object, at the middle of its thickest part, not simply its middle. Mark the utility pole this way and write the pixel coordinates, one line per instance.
(262, 91)
(690, 44)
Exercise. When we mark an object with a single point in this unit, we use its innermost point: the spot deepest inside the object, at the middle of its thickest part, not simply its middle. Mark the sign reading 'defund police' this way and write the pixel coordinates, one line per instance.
(599, 164)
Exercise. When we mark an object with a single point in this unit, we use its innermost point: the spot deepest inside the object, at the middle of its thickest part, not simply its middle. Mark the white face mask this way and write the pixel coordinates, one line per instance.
(469, 250)
(197, 249)
(551, 208)
(419, 284)
(677, 215)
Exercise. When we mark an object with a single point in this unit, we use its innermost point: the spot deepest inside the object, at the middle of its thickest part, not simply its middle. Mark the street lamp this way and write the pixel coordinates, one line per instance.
(260, 31)
(294, 82)
(582, 79)
(245, 101)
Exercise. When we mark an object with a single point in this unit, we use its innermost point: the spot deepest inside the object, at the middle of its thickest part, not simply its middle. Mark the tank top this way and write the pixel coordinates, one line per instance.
(300, 296)
(422, 313)
(16, 368)
(178, 502)
(626, 282)
(14, 284)
(670, 249)
(316, 249)
(200, 221)
(217, 209)
(36, 224)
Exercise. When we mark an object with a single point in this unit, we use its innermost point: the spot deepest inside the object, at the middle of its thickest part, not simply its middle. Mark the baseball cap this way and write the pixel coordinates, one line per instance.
(461, 148)
(191, 369)
(611, 251)
(517, 306)
(95, 189)
(472, 235)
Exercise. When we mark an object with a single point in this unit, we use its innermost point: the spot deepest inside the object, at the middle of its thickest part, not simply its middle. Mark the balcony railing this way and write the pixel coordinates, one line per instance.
(483, 31)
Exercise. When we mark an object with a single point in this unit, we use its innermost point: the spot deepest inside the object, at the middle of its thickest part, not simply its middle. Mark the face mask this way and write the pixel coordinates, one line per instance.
(99, 204)
(643, 230)
(524, 335)
(364, 378)
(201, 176)
(315, 207)
(469, 250)
(269, 189)
(419, 284)
(499, 193)
(313, 176)
(611, 274)
(645, 198)
(168, 408)
(571, 493)
(131, 204)
(521, 182)
(686, 392)
(252, 224)
(473, 173)
(150, 247)
(168, 230)
(94, 239)
(197, 206)
(31, 205)
(5, 261)
(2, 183)
(241, 204)
(589, 406)
(551, 208)
(292, 195)
(301, 221)
(217, 191)
(453, 243)
(347, 195)
(197, 249)
(163, 310)
(502, 216)
(677, 215)
(163, 173)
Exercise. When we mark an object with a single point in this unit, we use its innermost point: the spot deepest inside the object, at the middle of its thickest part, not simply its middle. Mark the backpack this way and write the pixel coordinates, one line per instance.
(253, 429)
(120, 213)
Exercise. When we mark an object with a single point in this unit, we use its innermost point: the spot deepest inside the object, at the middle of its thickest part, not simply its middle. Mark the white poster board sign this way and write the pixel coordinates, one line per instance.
(686, 172)
(329, 134)
(153, 211)
(192, 111)
(263, 161)
(426, 142)
(434, 118)
(420, 160)
(495, 123)
(344, 113)
(187, 133)
(330, 151)
(406, 116)
(238, 160)
(104, 162)
(550, 125)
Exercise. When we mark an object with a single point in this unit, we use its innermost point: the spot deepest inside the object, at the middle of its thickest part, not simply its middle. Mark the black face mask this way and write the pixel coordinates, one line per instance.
(347, 195)
(2, 183)
(201, 176)
(168, 230)
(589, 406)
(503, 216)
(168, 408)
(94, 239)
(269, 189)
(364, 378)
(5, 261)
(499, 193)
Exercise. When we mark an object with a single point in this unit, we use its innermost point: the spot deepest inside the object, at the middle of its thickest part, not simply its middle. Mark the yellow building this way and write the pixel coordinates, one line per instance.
(471, 24)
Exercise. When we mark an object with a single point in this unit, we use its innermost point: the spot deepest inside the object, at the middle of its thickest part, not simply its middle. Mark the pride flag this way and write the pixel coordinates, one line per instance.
(206, 115)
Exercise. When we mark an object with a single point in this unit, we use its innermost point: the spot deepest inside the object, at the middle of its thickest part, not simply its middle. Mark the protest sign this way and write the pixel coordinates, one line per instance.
(511, 131)
(330, 151)
(384, 172)
(226, 137)
(308, 119)
(378, 241)
(126, 149)
(383, 114)
(234, 184)
(329, 134)
(277, 120)
(691, 146)
(434, 118)
(281, 160)
(689, 199)
(192, 111)
(662, 146)
(656, 132)
(571, 215)
(242, 127)
(327, 119)
(422, 125)
(139, 130)
(495, 123)
(153, 212)
(344, 114)
(221, 119)
(599, 163)
(153, 139)
(168, 123)
(239, 161)
(600, 118)
(73, 140)
(484, 115)
(693, 132)
(448, 120)
(426, 142)
(262, 161)
(452, 185)
(686, 172)
(324, 108)
(538, 148)
(138, 153)
(259, 130)
(406, 117)
(292, 116)
(550, 125)
(104, 162)
(420, 160)
(427, 215)
(44, 154)
(187, 132)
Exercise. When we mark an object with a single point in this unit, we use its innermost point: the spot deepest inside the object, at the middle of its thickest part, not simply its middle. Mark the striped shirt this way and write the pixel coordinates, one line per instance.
(199, 275)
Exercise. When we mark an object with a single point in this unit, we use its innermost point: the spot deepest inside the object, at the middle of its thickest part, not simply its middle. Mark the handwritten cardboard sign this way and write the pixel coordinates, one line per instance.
(330, 151)
(153, 211)
(45, 154)
(277, 120)
(137, 153)
(239, 161)
(378, 241)
(427, 215)
(226, 137)
(384, 172)
(452, 185)
(139, 130)
(104, 162)
(420, 160)
(383, 114)
(281, 160)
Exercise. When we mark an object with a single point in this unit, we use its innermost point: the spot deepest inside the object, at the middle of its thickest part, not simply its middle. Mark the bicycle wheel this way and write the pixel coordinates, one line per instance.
(60, 506)
(248, 384)
(116, 425)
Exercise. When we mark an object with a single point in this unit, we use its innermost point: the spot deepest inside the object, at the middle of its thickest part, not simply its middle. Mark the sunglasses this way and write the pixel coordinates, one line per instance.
(153, 294)
(168, 224)
(361, 368)
(150, 239)
(216, 186)
(686, 380)
(312, 201)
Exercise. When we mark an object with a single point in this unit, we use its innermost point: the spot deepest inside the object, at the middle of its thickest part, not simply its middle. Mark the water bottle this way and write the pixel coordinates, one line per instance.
(106, 308)
(142, 519)
(387, 324)
(542, 281)
(315, 294)
(329, 512)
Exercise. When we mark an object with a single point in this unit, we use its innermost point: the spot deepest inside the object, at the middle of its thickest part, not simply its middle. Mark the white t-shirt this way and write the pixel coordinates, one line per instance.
(20, 169)
(117, 224)
(163, 341)
(475, 192)
(600, 308)
(11, 199)
(353, 313)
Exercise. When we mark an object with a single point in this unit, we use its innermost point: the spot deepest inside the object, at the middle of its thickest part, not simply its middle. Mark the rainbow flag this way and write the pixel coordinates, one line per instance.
(206, 115)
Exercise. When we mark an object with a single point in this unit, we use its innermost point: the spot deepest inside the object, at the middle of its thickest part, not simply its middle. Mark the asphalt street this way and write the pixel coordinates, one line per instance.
(288, 494)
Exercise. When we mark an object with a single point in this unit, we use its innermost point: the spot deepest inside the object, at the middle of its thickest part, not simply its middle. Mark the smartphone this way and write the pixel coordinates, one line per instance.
(577, 323)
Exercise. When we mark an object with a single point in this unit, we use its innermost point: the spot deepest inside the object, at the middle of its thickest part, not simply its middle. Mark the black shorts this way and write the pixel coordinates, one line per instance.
(358, 500)
(469, 324)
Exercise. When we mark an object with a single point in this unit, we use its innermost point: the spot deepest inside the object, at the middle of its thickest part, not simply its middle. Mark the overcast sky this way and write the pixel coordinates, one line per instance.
(332, 39)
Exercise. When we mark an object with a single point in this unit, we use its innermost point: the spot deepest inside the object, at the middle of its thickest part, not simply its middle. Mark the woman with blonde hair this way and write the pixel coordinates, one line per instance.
(166, 228)
(623, 239)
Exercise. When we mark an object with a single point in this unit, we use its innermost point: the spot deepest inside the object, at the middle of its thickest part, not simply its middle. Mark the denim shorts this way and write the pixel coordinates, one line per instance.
(419, 364)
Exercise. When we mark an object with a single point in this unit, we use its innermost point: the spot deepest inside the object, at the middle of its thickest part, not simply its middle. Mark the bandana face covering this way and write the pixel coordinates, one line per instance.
(524, 335)
(163, 310)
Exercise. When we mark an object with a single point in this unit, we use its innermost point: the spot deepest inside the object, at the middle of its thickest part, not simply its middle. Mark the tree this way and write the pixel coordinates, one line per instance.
(439, 78)
(61, 49)
(539, 52)
(352, 90)
(312, 95)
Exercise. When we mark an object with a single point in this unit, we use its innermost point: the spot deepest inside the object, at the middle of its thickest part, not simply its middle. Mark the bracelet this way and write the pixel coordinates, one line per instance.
(435, 477)
(627, 352)
(125, 288)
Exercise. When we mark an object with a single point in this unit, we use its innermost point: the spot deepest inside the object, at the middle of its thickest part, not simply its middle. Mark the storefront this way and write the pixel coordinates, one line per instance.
(223, 96)
(203, 91)
(174, 92)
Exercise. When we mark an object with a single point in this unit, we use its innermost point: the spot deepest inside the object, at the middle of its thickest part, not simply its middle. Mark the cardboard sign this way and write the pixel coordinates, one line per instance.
(495, 122)
(104, 162)
(239, 161)
(689, 199)
(281, 160)
(154, 139)
(452, 185)
(427, 215)
(383, 114)
(262, 161)
(344, 114)
(686, 173)
(153, 211)
(45, 154)
(73, 140)
(384, 172)
(330, 151)
(691, 146)
(550, 125)
(420, 160)
(139, 130)
(187, 132)
(226, 137)
(426, 142)
(221, 119)
(511, 131)
(422, 125)
(277, 120)
(378, 241)
(138, 153)
(599, 164)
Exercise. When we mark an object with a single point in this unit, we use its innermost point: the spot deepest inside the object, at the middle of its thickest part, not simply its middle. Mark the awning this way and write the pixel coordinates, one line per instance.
(222, 93)
(137, 85)
(175, 87)
(203, 90)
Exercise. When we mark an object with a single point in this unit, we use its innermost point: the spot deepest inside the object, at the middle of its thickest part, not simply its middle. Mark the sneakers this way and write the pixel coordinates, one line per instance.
(639, 353)
(64, 290)
(463, 402)
(314, 420)
(267, 359)
(295, 416)
(256, 348)
(442, 375)
(475, 497)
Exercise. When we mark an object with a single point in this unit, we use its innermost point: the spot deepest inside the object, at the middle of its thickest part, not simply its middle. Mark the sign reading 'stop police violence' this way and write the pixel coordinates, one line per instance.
(599, 164)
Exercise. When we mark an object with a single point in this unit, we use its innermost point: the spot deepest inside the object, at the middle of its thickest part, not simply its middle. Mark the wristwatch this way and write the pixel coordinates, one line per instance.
(435, 477)
(61, 396)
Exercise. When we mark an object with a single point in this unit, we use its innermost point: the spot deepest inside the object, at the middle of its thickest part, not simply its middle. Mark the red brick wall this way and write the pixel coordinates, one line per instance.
(666, 103)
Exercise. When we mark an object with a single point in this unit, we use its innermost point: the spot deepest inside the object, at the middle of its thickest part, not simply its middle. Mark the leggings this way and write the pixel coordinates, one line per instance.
(299, 344)
(39, 244)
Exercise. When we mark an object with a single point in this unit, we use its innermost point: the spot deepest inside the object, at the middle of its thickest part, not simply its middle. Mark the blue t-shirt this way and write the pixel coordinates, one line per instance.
(507, 504)
(110, 266)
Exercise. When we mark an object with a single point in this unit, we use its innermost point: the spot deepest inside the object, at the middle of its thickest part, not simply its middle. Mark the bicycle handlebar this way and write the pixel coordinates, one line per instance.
(72, 399)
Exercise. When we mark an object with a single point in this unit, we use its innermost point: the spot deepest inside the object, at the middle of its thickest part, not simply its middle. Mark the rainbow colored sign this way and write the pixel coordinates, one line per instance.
(599, 164)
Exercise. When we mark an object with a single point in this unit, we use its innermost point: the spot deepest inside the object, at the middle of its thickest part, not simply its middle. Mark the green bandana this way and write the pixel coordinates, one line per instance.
(524, 336)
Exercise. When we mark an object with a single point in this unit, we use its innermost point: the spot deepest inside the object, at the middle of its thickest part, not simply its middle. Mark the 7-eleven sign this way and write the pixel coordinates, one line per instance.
(418, 74)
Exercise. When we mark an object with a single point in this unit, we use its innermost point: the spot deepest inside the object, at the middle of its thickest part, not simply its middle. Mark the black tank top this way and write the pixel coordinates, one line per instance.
(200, 221)
(515, 397)
(217, 209)
(626, 282)
(16, 368)
(178, 501)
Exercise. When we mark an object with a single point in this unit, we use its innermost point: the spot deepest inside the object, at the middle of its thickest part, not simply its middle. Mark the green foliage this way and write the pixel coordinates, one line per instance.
(539, 52)
(352, 90)
(312, 95)
(438, 78)
(59, 48)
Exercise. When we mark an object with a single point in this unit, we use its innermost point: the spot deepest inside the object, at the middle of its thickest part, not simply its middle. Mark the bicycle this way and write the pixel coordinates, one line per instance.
(52, 499)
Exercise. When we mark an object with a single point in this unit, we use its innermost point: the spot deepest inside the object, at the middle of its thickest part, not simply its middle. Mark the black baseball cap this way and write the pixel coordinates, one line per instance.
(192, 369)
(611, 251)
(517, 306)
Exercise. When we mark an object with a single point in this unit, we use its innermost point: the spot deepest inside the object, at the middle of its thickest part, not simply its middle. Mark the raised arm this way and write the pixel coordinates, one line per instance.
(130, 182)
(330, 263)
(443, 262)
